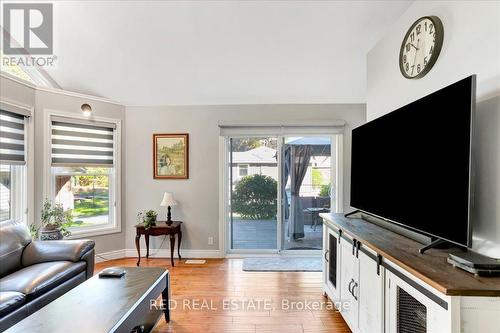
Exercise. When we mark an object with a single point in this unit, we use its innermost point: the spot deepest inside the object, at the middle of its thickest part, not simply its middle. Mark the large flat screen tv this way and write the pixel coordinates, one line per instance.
(413, 166)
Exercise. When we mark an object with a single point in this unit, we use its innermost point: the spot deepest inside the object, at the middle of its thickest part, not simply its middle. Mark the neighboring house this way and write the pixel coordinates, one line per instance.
(263, 161)
(257, 161)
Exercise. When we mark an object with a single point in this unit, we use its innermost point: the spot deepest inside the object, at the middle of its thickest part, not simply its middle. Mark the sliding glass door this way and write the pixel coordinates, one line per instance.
(253, 193)
(306, 190)
(276, 187)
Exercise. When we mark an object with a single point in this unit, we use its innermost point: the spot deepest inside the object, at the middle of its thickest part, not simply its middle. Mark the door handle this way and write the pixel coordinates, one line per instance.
(352, 292)
(326, 258)
(349, 288)
(353, 245)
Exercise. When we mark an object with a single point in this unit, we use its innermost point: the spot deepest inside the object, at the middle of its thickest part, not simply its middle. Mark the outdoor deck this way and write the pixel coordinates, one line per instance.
(261, 234)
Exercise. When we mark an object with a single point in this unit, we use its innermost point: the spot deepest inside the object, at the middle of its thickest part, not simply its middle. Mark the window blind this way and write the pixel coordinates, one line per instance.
(80, 143)
(12, 138)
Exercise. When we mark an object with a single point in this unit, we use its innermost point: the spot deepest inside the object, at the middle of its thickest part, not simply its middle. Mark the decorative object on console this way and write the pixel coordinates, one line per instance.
(168, 201)
(475, 263)
(421, 47)
(55, 222)
(148, 218)
(170, 156)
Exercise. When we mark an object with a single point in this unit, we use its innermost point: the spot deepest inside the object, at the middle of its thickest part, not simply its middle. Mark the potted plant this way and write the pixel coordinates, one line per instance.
(55, 222)
(148, 218)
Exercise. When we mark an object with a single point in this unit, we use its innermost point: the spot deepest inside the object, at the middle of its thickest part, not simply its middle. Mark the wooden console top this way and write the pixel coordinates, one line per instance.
(430, 267)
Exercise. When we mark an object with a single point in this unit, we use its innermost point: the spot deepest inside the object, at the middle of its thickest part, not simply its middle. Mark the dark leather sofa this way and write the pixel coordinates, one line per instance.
(34, 273)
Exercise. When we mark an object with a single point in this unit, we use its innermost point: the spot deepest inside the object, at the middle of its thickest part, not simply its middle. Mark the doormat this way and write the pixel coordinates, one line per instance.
(195, 262)
(279, 264)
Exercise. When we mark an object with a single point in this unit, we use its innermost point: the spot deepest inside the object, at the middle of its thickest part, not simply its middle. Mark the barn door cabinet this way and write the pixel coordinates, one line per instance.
(389, 287)
(331, 263)
(359, 281)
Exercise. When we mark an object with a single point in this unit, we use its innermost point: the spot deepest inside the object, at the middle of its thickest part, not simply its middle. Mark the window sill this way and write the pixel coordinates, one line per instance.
(88, 232)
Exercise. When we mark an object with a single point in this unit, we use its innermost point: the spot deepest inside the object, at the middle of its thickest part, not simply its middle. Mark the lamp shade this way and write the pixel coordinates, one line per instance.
(168, 200)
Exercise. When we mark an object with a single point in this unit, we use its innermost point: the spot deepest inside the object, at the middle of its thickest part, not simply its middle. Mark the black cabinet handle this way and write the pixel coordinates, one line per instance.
(352, 292)
(326, 253)
(349, 288)
(358, 245)
(353, 245)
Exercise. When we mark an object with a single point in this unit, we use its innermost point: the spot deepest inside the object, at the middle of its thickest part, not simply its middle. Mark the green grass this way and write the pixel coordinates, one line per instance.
(88, 207)
(84, 224)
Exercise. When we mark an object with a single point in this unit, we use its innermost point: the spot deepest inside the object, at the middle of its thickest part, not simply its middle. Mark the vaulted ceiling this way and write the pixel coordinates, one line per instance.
(219, 52)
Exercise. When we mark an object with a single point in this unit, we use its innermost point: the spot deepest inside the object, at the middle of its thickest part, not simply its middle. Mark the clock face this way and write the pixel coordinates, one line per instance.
(421, 46)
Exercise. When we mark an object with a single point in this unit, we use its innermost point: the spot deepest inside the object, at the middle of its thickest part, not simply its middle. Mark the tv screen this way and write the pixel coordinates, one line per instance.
(412, 166)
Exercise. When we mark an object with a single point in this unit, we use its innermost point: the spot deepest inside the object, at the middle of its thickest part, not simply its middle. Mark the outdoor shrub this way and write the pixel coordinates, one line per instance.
(255, 197)
(325, 190)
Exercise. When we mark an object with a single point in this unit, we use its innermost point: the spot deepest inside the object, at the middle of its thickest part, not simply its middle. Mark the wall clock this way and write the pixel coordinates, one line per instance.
(421, 46)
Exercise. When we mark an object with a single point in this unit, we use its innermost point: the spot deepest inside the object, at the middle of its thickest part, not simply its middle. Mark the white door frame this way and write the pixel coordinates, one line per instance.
(224, 225)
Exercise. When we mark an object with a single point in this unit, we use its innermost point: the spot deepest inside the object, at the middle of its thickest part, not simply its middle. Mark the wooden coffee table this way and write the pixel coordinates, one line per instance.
(105, 305)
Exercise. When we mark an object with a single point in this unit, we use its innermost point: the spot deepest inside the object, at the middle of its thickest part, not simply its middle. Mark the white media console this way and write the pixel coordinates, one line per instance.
(390, 287)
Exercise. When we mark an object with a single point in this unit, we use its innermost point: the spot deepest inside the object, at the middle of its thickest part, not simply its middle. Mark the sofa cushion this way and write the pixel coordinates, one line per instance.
(9, 301)
(14, 237)
(36, 279)
(57, 250)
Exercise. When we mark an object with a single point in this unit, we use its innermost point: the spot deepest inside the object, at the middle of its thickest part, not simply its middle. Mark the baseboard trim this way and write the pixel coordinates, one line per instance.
(243, 255)
(158, 253)
(104, 256)
(164, 253)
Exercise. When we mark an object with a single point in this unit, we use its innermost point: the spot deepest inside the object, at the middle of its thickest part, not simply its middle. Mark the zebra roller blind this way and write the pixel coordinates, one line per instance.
(81, 143)
(12, 138)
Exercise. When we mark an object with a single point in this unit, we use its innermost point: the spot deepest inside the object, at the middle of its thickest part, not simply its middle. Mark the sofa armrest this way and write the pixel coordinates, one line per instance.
(44, 251)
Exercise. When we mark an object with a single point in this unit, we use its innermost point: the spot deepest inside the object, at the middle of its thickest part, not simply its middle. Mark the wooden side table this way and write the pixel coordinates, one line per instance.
(161, 228)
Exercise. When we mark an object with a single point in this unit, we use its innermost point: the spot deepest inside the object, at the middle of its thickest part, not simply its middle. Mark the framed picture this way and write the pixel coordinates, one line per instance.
(171, 156)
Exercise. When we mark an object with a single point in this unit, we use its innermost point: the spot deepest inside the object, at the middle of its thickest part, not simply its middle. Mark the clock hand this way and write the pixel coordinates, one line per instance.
(416, 48)
(415, 58)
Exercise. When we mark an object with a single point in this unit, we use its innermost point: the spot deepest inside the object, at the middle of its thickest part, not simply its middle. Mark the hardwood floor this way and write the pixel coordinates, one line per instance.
(220, 297)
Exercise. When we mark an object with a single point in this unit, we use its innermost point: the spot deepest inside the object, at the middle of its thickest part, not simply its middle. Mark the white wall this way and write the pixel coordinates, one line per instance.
(471, 46)
(199, 195)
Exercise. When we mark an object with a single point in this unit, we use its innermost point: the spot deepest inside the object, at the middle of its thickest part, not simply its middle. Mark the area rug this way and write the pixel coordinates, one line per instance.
(280, 264)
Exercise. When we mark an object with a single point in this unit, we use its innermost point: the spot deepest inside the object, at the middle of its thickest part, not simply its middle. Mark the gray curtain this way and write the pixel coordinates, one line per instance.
(300, 158)
(286, 172)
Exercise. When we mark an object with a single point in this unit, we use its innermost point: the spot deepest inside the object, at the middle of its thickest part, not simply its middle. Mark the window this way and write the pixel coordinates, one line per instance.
(243, 170)
(15, 70)
(30, 74)
(83, 159)
(86, 192)
(13, 183)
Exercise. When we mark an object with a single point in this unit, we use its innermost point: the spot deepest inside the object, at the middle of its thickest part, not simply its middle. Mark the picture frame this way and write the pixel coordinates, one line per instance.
(171, 156)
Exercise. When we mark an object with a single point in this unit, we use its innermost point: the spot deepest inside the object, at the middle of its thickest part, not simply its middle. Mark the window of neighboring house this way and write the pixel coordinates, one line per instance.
(13, 178)
(84, 170)
(243, 170)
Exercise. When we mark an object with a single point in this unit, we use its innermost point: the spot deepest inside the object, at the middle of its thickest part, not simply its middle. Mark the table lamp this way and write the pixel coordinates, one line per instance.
(168, 200)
